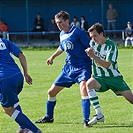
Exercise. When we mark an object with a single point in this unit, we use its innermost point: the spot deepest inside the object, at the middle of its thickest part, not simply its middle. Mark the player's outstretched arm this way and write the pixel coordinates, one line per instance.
(51, 58)
(23, 62)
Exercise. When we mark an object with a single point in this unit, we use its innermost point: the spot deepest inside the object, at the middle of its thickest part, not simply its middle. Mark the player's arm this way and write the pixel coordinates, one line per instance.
(103, 63)
(51, 58)
(23, 62)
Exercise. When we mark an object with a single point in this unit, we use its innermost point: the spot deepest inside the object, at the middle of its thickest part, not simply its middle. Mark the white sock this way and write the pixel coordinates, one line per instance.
(94, 101)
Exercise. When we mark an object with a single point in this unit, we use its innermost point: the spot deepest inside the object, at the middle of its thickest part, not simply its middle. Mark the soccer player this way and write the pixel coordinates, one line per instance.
(77, 69)
(104, 52)
(11, 84)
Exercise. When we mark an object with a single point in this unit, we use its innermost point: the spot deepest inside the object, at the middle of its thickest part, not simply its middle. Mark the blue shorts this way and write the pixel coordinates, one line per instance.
(9, 90)
(71, 75)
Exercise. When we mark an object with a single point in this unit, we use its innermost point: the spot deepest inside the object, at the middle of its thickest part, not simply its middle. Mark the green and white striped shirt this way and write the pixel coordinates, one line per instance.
(109, 52)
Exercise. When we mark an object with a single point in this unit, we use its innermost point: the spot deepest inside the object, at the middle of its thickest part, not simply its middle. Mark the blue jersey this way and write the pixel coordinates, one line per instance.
(8, 67)
(74, 42)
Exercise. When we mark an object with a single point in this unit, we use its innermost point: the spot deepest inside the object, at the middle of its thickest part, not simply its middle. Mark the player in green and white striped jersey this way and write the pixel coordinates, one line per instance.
(108, 51)
(106, 76)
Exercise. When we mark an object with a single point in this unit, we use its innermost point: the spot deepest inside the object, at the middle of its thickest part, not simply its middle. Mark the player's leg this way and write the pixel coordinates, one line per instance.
(90, 85)
(132, 41)
(63, 80)
(20, 118)
(10, 89)
(109, 28)
(17, 107)
(85, 103)
(51, 102)
(22, 128)
(119, 86)
(128, 95)
(113, 27)
(52, 92)
(126, 41)
(82, 75)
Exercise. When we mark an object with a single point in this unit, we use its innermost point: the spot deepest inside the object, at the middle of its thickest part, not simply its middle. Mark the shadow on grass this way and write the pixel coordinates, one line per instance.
(112, 125)
(101, 125)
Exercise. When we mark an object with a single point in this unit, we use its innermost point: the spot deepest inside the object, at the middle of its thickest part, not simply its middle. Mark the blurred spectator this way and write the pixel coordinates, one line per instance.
(83, 23)
(75, 22)
(38, 24)
(3, 29)
(111, 18)
(129, 33)
(52, 27)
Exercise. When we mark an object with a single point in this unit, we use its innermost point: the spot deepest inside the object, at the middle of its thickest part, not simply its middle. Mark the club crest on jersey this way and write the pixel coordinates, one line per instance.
(2, 46)
(68, 46)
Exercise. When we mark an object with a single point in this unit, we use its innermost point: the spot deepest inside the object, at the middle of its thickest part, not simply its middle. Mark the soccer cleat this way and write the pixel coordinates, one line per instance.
(45, 120)
(96, 119)
(86, 123)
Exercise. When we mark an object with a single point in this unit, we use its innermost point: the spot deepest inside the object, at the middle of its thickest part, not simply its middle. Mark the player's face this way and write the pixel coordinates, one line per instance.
(61, 24)
(95, 36)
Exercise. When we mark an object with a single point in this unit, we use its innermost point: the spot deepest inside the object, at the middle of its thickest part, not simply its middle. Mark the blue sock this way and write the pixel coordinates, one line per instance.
(21, 119)
(17, 107)
(50, 109)
(86, 109)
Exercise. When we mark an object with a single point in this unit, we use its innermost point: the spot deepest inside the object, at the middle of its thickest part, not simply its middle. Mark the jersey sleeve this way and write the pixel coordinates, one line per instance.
(61, 47)
(12, 48)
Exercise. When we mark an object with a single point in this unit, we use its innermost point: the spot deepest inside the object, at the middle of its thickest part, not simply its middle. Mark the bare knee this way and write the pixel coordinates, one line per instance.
(9, 111)
(83, 90)
(131, 102)
(92, 84)
(54, 90)
(128, 95)
(50, 93)
(88, 85)
(131, 99)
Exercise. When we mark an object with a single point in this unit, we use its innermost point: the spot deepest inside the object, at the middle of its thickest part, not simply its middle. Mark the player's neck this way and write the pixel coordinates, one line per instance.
(67, 28)
(103, 40)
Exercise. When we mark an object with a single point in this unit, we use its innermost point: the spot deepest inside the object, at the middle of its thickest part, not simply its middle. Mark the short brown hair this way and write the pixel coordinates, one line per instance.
(62, 14)
(98, 27)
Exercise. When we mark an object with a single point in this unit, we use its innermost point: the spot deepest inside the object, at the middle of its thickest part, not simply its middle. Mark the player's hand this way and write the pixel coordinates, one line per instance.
(90, 52)
(50, 61)
(28, 79)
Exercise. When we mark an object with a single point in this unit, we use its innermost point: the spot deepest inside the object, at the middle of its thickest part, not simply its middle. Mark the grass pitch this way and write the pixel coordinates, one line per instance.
(68, 111)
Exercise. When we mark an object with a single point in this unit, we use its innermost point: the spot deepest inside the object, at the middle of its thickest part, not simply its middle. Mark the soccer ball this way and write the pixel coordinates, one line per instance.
(24, 131)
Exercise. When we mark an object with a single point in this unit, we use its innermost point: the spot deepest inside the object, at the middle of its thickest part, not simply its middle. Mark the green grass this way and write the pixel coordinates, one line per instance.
(68, 112)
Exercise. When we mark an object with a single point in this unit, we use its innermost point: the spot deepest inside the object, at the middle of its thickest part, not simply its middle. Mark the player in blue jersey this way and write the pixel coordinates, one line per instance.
(11, 84)
(76, 70)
